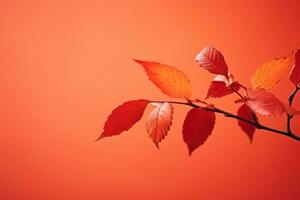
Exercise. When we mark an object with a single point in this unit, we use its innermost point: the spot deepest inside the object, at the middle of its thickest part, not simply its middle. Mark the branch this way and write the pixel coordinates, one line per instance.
(230, 115)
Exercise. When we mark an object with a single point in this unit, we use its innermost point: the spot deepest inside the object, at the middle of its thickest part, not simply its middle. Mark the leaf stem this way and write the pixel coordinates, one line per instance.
(246, 90)
(237, 92)
(230, 115)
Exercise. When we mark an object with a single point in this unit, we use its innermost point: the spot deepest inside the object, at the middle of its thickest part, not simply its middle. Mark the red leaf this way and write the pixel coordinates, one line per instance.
(212, 60)
(159, 122)
(197, 126)
(290, 109)
(219, 89)
(295, 72)
(235, 86)
(264, 103)
(124, 117)
(245, 112)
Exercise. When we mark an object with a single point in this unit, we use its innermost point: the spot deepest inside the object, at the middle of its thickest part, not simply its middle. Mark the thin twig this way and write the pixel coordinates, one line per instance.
(246, 90)
(236, 91)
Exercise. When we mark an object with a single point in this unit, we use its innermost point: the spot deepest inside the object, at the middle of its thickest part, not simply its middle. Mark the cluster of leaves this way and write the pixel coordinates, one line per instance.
(200, 120)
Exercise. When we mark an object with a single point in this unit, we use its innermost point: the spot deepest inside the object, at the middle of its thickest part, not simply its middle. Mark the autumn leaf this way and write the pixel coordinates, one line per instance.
(170, 80)
(222, 86)
(219, 89)
(197, 127)
(124, 117)
(271, 72)
(159, 122)
(212, 60)
(295, 72)
(264, 103)
(245, 112)
(235, 86)
(290, 109)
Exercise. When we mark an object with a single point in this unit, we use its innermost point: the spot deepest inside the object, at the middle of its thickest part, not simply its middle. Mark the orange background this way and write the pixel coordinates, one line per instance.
(66, 64)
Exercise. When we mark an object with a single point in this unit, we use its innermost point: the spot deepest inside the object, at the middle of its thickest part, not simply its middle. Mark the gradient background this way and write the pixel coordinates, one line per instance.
(66, 64)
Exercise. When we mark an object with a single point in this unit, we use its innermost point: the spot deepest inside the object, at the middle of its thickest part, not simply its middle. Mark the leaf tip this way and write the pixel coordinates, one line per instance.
(99, 138)
(136, 60)
(157, 146)
(141, 62)
(251, 139)
(191, 152)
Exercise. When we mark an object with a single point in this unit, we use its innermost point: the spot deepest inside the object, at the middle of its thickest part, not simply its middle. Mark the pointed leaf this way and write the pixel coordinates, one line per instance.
(170, 80)
(212, 60)
(264, 103)
(295, 72)
(245, 112)
(159, 122)
(271, 72)
(197, 126)
(124, 117)
(219, 89)
(222, 86)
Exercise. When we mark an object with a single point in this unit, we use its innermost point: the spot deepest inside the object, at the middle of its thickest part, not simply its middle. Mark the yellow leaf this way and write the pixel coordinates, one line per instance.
(271, 72)
(170, 80)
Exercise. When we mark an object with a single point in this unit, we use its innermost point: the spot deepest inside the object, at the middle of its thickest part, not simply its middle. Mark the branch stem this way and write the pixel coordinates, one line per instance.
(230, 115)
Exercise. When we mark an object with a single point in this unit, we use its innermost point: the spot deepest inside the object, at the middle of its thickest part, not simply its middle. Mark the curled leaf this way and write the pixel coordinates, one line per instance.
(222, 86)
(295, 72)
(212, 60)
(219, 89)
(124, 117)
(159, 122)
(264, 103)
(197, 127)
(245, 112)
(271, 72)
(170, 80)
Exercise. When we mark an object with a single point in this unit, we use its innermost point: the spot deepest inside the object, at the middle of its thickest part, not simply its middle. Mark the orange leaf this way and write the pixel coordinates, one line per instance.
(159, 122)
(271, 72)
(124, 117)
(197, 127)
(170, 80)
(295, 72)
